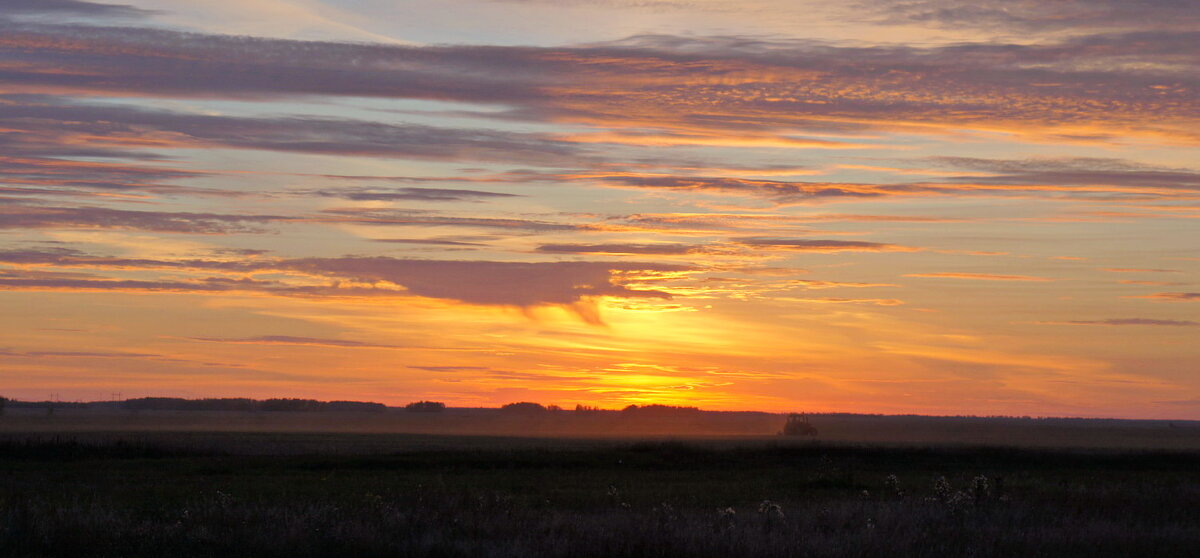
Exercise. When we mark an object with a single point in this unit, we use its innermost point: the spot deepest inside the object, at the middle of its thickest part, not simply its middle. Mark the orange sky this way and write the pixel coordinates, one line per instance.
(888, 207)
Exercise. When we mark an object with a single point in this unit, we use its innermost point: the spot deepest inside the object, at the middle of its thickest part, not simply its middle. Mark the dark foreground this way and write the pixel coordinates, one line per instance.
(60, 497)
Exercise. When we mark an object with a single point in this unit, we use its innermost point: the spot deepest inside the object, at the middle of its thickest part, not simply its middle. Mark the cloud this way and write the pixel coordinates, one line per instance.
(121, 355)
(483, 282)
(639, 4)
(782, 191)
(622, 249)
(1131, 322)
(389, 217)
(521, 284)
(1083, 177)
(40, 217)
(19, 216)
(171, 63)
(1139, 270)
(734, 91)
(804, 245)
(1080, 172)
(292, 340)
(50, 176)
(835, 300)
(69, 257)
(407, 194)
(68, 7)
(1024, 89)
(1034, 15)
(76, 354)
(672, 90)
(703, 223)
(451, 368)
(816, 284)
(124, 285)
(1174, 297)
(51, 123)
(978, 276)
(429, 241)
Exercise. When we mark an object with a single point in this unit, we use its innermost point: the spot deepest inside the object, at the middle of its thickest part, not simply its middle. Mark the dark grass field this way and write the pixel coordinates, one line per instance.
(302, 494)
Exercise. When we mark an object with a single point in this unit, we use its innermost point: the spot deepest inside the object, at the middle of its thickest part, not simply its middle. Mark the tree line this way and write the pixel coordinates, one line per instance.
(312, 405)
(245, 404)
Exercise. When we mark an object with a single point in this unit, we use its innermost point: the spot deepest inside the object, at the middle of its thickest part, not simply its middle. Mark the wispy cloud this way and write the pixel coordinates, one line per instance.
(622, 249)
(817, 284)
(1065, 173)
(978, 276)
(76, 354)
(41, 217)
(293, 340)
(1032, 15)
(68, 7)
(695, 89)
(429, 241)
(1129, 322)
(1174, 297)
(54, 125)
(837, 300)
(482, 282)
(814, 245)
(1140, 270)
(522, 284)
(390, 217)
(406, 194)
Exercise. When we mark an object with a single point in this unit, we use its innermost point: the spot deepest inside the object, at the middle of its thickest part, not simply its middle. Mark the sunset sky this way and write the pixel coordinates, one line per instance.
(883, 206)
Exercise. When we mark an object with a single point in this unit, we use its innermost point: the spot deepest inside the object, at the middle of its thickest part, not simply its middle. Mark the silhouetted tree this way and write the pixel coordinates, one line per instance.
(659, 410)
(3, 401)
(291, 404)
(425, 407)
(797, 425)
(524, 407)
(352, 406)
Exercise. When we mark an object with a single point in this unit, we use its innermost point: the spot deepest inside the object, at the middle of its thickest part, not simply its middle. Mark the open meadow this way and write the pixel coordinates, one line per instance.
(89, 484)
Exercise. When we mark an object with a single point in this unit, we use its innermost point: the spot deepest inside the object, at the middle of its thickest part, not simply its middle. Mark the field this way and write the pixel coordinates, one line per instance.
(76, 485)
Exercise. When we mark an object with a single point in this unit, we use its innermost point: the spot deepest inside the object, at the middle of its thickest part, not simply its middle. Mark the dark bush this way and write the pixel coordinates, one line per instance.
(353, 406)
(659, 410)
(524, 407)
(425, 407)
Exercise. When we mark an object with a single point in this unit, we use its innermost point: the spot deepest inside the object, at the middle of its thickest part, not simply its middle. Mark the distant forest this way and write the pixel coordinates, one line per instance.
(521, 408)
(210, 404)
(313, 405)
(243, 404)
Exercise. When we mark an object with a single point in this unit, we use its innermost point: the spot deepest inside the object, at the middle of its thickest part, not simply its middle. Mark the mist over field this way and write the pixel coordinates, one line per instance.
(651, 422)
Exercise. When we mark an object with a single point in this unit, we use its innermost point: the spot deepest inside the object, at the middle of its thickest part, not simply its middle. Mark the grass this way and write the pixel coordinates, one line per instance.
(61, 496)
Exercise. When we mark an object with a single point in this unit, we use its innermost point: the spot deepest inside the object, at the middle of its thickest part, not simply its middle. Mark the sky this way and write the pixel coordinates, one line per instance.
(875, 206)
